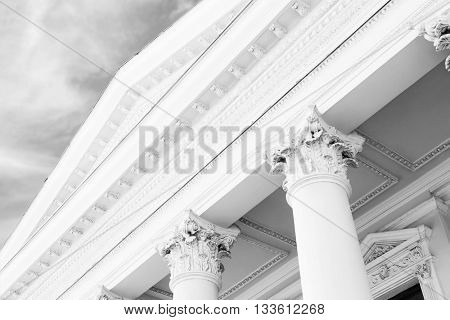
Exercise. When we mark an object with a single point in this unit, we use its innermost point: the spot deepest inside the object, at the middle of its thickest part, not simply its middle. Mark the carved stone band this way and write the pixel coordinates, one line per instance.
(317, 148)
(195, 249)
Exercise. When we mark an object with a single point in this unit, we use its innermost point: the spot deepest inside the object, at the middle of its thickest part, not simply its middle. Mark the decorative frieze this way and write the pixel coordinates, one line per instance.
(408, 261)
(438, 32)
(197, 246)
(317, 148)
(390, 269)
(378, 251)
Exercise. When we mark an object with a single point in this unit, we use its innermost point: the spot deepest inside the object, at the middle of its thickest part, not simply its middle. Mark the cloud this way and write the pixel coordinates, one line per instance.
(48, 90)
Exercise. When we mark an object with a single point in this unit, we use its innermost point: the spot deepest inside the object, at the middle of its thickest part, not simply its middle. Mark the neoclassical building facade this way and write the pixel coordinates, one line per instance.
(352, 203)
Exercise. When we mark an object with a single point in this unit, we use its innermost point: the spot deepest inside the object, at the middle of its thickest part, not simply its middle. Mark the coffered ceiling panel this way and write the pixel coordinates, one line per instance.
(274, 212)
(368, 181)
(413, 127)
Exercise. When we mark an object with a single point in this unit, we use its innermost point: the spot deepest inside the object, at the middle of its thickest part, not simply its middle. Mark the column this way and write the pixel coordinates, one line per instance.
(315, 165)
(193, 253)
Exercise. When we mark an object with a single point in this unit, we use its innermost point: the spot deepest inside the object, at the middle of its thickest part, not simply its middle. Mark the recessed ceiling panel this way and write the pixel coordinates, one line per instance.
(417, 120)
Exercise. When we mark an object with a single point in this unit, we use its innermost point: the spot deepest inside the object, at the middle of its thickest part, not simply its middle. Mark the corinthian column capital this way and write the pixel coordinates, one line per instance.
(438, 32)
(195, 249)
(317, 148)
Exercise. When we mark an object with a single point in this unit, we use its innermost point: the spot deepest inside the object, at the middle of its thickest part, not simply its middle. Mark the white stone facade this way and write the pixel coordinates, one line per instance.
(343, 233)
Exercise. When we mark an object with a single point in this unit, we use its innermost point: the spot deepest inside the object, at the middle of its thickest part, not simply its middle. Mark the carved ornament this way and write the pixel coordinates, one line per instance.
(197, 246)
(317, 148)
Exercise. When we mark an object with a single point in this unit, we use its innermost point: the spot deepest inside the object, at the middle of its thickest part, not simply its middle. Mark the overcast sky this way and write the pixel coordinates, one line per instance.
(47, 91)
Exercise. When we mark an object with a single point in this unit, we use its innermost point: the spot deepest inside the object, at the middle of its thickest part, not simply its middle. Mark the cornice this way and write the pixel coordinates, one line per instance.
(432, 205)
(432, 179)
(135, 104)
(144, 192)
(250, 106)
(410, 258)
(137, 118)
(137, 95)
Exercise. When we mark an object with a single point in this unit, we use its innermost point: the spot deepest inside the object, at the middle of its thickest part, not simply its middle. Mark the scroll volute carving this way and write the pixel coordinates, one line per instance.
(197, 245)
(438, 32)
(316, 148)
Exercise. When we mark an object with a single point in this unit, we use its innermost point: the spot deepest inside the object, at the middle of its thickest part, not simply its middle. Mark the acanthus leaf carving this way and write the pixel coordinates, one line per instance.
(390, 268)
(423, 271)
(378, 251)
(197, 246)
(317, 148)
(438, 32)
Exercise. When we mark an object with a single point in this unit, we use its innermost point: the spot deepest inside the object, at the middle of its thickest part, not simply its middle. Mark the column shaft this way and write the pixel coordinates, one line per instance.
(197, 286)
(330, 260)
(315, 165)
